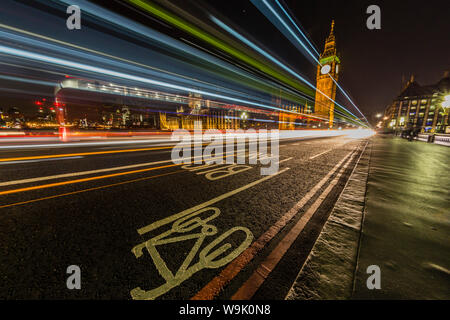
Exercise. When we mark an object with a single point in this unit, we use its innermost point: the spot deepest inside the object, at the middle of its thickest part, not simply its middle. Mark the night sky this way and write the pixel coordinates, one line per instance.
(414, 39)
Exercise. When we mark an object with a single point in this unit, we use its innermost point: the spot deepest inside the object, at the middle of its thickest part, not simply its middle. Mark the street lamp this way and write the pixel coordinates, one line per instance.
(244, 117)
(446, 105)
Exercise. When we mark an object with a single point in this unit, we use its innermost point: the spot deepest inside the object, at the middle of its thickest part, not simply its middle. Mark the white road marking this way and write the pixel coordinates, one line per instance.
(285, 160)
(221, 173)
(247, 290)
(177, 216)
(150, 145)
(174, 277)
(214, 287)
(318, 155)
(81, 144)
(82, 173)
(40, 160)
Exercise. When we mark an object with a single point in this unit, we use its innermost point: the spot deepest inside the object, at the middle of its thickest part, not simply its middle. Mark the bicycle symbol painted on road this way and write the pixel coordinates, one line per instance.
(193, 226)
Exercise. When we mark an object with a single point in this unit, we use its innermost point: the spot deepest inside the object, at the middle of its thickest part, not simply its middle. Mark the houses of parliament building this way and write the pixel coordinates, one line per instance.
(123, 107)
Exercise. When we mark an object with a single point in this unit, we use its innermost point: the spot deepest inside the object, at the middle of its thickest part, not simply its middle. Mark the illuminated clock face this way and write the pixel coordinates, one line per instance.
(325, 69)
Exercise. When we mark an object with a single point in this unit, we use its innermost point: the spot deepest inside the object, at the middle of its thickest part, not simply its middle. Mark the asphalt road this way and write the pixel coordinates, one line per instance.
(155, 230)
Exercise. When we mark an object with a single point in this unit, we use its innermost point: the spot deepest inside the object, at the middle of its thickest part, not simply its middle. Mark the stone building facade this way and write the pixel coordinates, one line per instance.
(419, 108)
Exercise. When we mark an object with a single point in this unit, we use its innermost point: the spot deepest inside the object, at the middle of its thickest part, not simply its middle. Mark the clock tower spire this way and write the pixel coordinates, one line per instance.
(327, 70)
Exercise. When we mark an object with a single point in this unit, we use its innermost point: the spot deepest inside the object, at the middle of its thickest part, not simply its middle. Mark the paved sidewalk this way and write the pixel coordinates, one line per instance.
(399, 220)
(406, 229)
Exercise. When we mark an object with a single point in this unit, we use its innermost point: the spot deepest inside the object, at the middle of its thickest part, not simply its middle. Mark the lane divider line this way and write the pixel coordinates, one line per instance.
(214, 287)
(254, 282)
(30, 161)
(340, 195)
(82, 173)
(79, 144)
(181, 214)
(82, 154)
(135, 180)
(318, 155)
(95, 153)
(284, 160)
(57, 184)
(95, 188)
(90, 189)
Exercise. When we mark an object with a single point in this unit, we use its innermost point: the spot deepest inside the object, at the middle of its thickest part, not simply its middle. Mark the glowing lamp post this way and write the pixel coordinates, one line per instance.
(446, 106)
(244, 117)
(446, 103)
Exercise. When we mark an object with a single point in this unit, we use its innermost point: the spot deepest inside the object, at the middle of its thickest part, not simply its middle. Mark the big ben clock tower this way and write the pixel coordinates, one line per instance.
(327, 70)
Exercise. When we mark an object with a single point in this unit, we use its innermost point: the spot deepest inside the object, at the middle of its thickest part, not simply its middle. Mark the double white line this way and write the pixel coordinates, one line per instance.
(248, 289)
(215, 286)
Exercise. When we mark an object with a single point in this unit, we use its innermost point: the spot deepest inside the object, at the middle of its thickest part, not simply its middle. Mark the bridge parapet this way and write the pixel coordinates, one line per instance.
(442, 139)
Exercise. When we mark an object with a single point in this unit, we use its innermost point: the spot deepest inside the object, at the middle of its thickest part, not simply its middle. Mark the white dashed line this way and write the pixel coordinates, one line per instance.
(318, 155)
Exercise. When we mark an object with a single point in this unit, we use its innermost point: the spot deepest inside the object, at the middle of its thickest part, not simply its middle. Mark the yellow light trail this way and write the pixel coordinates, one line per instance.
(96, 52)
(259, 85)
(178, 22)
